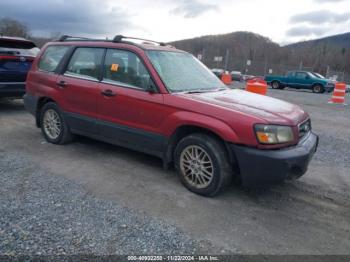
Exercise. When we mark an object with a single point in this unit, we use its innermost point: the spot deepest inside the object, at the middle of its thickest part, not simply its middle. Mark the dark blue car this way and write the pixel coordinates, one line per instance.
(16, 57)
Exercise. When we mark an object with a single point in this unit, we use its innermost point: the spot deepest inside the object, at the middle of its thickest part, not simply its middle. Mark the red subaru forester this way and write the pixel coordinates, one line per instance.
(153, 98)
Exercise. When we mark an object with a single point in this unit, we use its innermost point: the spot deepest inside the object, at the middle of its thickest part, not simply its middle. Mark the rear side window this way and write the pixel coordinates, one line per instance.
(52, 57)
(85, 62)
(125, 68)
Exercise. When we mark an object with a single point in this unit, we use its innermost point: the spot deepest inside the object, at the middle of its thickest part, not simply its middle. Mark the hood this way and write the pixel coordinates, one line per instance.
(269, 109)
(327, 80)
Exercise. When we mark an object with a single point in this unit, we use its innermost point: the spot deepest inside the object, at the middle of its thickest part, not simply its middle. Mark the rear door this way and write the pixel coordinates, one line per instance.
(16, 57)
(130, 115)
(80, 88)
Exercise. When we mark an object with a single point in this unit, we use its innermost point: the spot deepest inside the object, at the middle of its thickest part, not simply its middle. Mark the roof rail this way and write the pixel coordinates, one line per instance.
(73, 38)
(116, 39)
(119, 39)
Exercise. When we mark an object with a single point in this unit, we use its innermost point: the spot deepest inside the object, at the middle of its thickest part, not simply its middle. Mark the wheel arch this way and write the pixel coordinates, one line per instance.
(318, 84)
(184, 130)
(41, 102)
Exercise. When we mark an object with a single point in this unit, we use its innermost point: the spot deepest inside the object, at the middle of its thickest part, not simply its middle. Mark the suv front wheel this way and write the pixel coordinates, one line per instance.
(53, 125)
(202, 163)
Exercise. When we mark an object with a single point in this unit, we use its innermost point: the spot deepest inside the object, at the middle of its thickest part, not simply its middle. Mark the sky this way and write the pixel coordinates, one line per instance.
(283, 21)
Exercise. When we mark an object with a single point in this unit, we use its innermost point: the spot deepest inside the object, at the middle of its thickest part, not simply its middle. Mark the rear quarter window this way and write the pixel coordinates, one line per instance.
(52, 57)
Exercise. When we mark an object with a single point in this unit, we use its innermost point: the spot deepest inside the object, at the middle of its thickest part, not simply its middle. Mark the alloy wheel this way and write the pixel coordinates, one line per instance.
(52, 124)
(196, 166)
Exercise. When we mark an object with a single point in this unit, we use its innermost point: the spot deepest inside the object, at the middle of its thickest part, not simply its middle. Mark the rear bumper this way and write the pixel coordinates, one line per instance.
(12, 89)
(264, 167)
(30, 103)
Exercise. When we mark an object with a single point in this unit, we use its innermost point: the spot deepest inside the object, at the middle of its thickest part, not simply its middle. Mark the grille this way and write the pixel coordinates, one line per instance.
(304, 128)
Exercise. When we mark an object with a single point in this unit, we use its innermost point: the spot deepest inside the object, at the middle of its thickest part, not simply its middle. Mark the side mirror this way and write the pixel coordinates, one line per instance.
(151, 87)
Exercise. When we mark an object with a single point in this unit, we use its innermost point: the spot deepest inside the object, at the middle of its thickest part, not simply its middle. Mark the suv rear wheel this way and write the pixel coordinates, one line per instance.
(202, 163)
(53, 125)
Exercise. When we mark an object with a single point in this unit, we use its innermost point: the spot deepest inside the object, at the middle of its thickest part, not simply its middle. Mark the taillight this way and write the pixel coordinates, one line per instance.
(17, 58)
(8, 57)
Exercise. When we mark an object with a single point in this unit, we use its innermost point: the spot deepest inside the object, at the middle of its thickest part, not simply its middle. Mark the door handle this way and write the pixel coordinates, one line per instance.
(108, 93)
(62, 84)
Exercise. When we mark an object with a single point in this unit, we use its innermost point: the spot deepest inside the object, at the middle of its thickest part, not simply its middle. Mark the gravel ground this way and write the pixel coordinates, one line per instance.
(44, 214)
(89, 197)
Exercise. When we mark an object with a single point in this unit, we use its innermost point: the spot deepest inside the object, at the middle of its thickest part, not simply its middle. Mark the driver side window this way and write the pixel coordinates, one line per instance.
(126, 69)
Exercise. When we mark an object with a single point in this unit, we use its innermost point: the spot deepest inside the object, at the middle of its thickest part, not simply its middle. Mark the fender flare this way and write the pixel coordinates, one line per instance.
(182, 119)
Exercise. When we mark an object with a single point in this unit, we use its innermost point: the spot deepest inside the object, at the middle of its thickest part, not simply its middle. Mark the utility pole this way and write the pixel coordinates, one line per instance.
(226, 58)
(301, 65)
(203, 56)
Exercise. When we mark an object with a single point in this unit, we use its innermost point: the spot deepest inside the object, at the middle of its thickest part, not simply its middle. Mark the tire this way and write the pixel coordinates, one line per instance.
(275, 85)
(191, 172)
(318, 89)
(53, 125)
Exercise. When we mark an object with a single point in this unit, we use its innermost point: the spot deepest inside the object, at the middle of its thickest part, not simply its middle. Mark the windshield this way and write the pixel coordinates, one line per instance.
(181, 72)
(318, 75)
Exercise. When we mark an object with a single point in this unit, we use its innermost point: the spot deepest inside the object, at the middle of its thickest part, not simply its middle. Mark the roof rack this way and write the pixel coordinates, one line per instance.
(116, 39)
(119, 39)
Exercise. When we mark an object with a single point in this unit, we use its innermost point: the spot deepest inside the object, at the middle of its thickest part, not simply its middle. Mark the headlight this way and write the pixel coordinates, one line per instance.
(273, 134)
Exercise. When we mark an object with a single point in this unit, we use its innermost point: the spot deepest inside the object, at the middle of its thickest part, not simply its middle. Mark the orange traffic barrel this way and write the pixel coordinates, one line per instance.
(258, 86)
(226, 78)
(338, 96)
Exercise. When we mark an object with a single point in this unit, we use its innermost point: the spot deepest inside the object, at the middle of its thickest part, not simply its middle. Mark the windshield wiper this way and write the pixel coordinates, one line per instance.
(221, 89)
(197, 91)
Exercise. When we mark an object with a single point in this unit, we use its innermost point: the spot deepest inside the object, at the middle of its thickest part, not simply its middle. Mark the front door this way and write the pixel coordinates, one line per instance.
(130, 114)
(303, 80)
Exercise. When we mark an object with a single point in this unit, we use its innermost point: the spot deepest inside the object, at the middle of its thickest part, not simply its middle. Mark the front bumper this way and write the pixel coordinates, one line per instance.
(263, 167)
(329, 88)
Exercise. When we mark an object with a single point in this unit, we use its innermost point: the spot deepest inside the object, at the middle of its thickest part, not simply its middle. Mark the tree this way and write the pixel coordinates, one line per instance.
(12, 27)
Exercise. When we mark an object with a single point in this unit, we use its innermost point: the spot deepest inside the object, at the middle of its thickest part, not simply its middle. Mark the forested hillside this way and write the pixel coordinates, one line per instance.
(323, 55)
